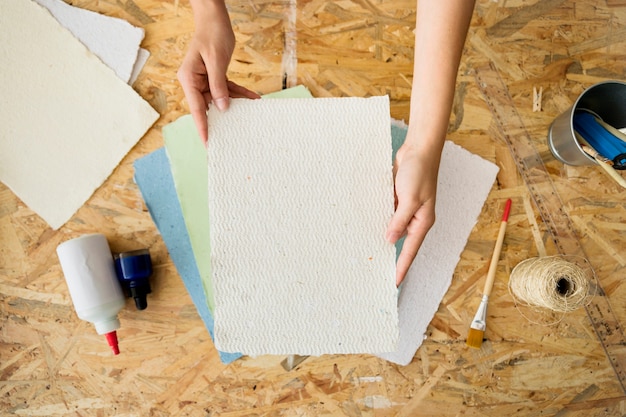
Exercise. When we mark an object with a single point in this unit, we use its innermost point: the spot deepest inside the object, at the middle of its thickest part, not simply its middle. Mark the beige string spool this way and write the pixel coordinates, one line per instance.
(552, 283)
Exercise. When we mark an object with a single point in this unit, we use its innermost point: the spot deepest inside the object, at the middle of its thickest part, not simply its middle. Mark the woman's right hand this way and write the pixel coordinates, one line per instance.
(203, 71)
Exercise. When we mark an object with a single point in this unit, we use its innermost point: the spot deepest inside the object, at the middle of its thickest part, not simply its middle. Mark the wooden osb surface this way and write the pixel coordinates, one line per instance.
(53, 364)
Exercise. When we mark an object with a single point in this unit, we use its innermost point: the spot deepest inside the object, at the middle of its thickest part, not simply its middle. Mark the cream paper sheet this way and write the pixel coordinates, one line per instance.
(300, 195)
(67, 120)
(464, 182)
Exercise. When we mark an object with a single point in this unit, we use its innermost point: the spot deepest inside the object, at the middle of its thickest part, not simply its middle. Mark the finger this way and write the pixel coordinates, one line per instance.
(197, 103)
(197, 108)
(414, 220)
(202, 126)
(412, 243)
(400, 221)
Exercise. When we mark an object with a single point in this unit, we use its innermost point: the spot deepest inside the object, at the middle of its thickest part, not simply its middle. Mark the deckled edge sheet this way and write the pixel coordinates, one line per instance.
(115, 41)
(300, 195)
(155, 182)
(57, 148)
(465, 180)
(188, 163)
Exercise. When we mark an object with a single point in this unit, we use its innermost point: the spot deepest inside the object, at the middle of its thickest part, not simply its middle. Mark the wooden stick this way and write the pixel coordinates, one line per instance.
(491, 274)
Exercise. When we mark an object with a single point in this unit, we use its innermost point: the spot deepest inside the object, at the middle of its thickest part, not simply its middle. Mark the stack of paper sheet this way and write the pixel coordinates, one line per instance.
(429, 277)
(67, 119)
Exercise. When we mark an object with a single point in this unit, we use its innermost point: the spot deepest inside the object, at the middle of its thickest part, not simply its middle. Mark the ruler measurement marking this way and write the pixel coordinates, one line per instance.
(550, 206)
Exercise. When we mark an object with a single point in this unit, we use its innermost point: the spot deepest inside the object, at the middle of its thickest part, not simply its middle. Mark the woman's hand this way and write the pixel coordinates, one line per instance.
(441, 27)
(203, 71)
(415, 187)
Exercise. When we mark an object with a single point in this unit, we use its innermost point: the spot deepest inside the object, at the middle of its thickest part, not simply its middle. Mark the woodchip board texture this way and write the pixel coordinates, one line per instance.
(54, 364)
(67, 119)
(300, 194)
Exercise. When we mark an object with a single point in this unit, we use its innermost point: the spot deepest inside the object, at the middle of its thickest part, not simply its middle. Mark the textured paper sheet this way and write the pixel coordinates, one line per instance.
(67, 120)
(188, 163)
(154, 179)
(115, 41)
(300, 194)
(465, 180)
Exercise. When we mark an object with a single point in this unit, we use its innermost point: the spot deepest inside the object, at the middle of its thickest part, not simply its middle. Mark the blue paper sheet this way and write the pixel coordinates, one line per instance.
(154, 179)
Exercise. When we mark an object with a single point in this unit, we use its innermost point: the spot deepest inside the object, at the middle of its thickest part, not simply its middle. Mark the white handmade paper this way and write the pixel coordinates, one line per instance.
(115, 41)
(465, 180)
(67, 120)
(142, 57)
(300, 195)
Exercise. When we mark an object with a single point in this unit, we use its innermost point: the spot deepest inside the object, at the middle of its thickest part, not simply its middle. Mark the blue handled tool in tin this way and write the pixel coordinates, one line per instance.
(608, 142)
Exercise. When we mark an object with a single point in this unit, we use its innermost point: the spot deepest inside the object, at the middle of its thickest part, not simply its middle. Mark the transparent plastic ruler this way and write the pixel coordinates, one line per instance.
(550, 206)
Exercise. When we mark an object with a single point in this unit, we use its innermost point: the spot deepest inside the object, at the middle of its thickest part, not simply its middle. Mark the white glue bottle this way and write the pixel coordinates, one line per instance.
(89, 271)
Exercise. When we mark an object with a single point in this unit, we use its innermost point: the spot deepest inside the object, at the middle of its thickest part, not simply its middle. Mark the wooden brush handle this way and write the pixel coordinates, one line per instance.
(491, 274)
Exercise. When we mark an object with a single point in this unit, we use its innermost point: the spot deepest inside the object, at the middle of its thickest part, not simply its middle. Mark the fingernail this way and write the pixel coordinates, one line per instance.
(221, 103)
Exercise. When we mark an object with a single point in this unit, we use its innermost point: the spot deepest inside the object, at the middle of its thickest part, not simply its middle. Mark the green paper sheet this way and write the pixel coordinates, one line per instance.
(188, 163)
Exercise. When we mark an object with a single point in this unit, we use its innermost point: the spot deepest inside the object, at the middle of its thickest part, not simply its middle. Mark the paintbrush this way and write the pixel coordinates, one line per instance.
(479, 324)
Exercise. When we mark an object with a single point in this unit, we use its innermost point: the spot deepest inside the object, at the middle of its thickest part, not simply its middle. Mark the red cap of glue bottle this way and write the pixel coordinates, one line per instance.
(112, 340)
(89, 271)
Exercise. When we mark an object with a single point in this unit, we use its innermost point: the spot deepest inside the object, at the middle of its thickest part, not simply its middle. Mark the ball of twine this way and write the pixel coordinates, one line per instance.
(552, 283)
